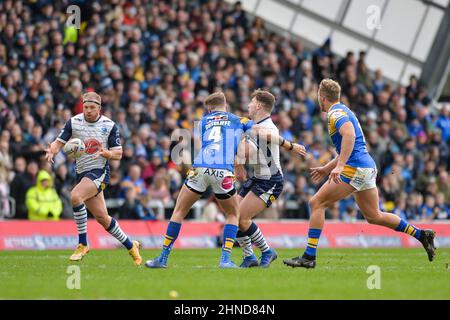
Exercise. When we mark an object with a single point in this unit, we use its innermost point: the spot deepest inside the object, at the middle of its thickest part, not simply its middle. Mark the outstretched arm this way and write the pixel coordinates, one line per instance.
(269, 135)
(53, 149)
(60, 141)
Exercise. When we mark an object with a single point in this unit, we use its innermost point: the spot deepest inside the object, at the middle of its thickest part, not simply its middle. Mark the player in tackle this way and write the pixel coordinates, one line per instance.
(266, 184)
(221, 133)
(102, 140)
(353, 171)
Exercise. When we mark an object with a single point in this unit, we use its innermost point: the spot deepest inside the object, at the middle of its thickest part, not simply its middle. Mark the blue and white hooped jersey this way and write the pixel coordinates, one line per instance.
(337, 116)
(103, 132)
(268, 154)
(220, 134)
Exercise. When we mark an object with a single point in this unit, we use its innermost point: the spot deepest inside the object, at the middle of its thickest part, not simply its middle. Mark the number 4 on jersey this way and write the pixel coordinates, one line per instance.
(215, 134)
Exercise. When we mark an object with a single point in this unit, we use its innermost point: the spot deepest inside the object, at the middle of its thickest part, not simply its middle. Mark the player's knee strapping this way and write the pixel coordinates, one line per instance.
(409, 229)
(313, 241)
(80, 217)
(115, 230)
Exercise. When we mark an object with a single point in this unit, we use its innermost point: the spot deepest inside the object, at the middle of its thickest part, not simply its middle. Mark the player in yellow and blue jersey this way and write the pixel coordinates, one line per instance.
(221, 133)
(353, 171)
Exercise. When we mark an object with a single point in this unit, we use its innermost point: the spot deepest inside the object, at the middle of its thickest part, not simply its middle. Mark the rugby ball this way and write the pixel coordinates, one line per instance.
(74, 148)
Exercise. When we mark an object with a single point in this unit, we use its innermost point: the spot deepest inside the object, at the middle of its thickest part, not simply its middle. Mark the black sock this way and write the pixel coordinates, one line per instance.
(422, 236)
(309, 257)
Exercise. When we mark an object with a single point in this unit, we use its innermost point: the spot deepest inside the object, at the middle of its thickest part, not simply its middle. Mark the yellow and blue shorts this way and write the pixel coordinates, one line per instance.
(360, 178)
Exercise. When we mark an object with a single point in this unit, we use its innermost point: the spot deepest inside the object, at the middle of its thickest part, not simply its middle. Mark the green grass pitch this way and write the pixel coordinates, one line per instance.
(193, 274)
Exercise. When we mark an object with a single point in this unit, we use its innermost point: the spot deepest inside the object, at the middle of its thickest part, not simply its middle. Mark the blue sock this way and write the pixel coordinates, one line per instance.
(116, 232)
(313, 241)
(80, 217)
(229, 234)
(82, 238)
(173, 229)
(405, 227)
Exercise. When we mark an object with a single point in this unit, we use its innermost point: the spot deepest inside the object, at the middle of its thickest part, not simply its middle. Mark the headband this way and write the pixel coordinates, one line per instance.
(93, 101)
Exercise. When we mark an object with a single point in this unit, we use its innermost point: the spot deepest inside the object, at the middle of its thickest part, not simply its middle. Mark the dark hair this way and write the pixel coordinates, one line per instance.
(265, 98)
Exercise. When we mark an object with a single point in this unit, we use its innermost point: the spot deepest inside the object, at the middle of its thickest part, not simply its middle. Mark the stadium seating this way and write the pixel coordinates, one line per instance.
(155, 62)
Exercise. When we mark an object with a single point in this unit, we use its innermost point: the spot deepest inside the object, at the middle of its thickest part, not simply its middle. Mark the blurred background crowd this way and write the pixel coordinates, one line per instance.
(154, 62)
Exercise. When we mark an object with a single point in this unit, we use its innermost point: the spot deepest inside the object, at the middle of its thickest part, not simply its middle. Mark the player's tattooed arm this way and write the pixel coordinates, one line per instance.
(53, 148)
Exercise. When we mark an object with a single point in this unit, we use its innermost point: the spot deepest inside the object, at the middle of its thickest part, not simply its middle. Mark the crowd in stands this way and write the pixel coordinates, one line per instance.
(154, 62)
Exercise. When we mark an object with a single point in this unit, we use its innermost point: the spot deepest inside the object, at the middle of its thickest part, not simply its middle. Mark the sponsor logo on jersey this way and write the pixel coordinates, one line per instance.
(223, 117)
(227, 183)
(214, 173)
(92, 146)
(272, 198)
(192, 173)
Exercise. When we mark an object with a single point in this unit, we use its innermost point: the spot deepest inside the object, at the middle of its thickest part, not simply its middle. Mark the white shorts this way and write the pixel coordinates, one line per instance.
(360, 178)
(220, 180)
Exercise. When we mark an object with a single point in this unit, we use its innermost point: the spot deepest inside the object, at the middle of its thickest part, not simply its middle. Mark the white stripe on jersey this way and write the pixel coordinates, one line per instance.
(268, 163)
(93, 134)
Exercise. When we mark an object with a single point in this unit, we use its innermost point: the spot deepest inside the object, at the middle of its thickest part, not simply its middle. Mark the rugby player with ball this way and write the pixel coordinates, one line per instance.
(92, 139)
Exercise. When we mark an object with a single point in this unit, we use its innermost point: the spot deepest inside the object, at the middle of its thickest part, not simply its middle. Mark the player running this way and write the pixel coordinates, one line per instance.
(353, 171)
(102, 140)
(266, 185)
(213, 166)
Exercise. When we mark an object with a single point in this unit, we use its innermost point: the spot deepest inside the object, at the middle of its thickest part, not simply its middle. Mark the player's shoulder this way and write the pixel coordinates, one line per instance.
(337, 112)
(105, 121)
(78, 118)
(243, 120)
(268, 123)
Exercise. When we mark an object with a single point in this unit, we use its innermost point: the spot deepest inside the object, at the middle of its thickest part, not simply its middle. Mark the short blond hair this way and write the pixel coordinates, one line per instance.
(330, 90)
(92, 97)
(216, 100)
(265, 98)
